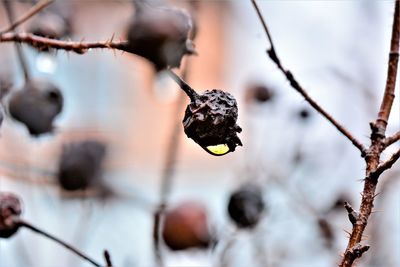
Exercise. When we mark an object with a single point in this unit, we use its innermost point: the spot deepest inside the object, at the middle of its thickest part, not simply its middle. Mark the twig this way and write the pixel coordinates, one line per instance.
(31, 12)
(392, 139)
(190, 92)
(296, 85)
(22, 60)
(46, 43)
(169, 165)
(378, 129)
(107, 258)
(385, 166)
(25, 224)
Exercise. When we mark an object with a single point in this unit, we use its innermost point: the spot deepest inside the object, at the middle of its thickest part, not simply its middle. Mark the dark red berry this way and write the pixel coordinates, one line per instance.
(210, 120)
(161, 35)
(246, 206)
(185, 226)
(10, 208)
(36, 105)
(80, 164)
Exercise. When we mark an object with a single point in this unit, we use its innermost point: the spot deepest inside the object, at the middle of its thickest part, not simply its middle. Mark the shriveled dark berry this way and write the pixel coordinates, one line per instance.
(80, 164)
(259, 93)
(210, 120)
(161, 35)
(246, 206)
(10, 206)
(36, 105)
(185, 226)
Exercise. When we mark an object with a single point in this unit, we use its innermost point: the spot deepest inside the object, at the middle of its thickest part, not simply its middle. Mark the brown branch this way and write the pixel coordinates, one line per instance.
(392, 139)
(378, 130)
(25, 224)
(296, 85)
(31, 12)
(170, 161)
(40, 43)
(385, 166)
(21, 56)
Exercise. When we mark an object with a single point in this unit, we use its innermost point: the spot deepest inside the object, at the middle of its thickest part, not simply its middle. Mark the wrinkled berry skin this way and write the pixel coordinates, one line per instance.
(10, 205)
(80, 164)
(186, 227)
(36, 105)
(246, 206)
(161, 35)
(211, 120)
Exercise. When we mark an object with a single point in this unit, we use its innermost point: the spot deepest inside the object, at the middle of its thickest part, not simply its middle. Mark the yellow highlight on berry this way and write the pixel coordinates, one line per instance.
(218, 150)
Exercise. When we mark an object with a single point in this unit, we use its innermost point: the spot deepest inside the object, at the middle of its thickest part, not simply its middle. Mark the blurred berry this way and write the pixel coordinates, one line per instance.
(80, 164)
(246, 206)
(10, 206)
(259, 93)
(185, 226)
(36, 105)
(161, 35)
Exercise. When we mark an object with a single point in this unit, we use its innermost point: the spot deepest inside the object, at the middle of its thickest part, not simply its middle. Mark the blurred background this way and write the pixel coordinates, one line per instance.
(337, 49)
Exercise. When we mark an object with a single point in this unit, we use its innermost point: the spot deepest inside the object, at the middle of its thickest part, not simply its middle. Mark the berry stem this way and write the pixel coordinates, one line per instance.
(22, 60)
(25, 224)
(190, 92)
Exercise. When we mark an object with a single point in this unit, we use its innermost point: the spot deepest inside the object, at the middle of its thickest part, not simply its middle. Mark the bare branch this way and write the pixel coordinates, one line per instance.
(374, 169)
(296, 85)
(392, 139)
(31, 12)
(354, 253)
(388, 97)
(46, 43)
(25, 224)
(385, 166)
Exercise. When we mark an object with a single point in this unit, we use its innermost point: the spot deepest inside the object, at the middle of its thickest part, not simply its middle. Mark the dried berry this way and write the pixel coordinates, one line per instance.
(210, 120)
(259, 93)
(10, 207)
(246, 206)
(80, 164)
(160, 34)
(186, 227)
(36, 105)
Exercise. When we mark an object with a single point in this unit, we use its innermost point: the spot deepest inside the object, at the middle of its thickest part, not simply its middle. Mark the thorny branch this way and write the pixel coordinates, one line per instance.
(372, 155)
(31, 12)
(392, 139)
(378, 130)
(296, 85)
(41, 43)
